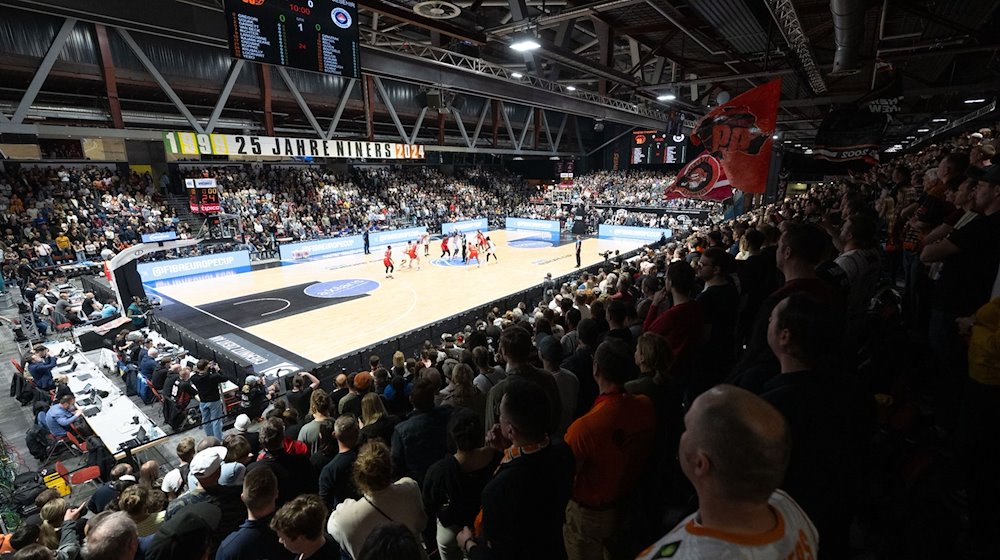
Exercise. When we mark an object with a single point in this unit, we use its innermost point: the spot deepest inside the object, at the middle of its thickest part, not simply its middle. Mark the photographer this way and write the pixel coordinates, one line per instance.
(206, 379)
(135, 312)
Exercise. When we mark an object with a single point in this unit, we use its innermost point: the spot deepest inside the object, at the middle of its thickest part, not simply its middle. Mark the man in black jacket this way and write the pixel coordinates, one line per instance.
(206, 379)
(829, 416)
(524, 505)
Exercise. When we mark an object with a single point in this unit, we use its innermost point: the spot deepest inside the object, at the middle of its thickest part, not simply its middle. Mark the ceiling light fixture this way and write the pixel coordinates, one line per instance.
(524, 44)
(939, 120)
(923, 130)
(517, 75)
(570, 88)
(976, 100)
(668, 96)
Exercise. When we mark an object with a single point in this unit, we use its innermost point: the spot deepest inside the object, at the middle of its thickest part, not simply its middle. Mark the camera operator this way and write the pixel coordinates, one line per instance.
(136, 313)
(206, 379)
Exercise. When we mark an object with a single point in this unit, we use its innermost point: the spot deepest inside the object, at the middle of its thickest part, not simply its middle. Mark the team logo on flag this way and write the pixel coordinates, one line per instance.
(341, 18)
(737, 141)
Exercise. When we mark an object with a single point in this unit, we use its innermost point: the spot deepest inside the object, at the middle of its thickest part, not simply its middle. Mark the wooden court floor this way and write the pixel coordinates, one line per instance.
(410, 300)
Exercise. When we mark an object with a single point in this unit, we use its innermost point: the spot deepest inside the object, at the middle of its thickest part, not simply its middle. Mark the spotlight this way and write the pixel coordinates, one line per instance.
(524, 44)
(939, 120)
(570, 88)
(923, 130)
(666, 97)
(976, 100)
(517, 75)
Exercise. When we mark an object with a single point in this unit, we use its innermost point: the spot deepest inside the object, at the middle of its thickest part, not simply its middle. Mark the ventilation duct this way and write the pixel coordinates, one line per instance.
(849, 32)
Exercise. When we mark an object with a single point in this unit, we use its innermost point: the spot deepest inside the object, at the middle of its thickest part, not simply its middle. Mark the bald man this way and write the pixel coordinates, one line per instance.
(339, 392)
(735, 452)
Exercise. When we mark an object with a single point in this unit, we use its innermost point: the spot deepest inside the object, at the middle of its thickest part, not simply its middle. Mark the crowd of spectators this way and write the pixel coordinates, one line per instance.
(300, 203)
(68, 215)
(767, 387)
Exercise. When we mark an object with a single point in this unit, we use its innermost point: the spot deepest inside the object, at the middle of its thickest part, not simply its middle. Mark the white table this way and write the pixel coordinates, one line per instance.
(119, 418)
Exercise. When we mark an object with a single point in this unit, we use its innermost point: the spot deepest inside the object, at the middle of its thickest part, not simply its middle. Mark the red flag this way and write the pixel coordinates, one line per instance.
(738, 134)
(703, 178)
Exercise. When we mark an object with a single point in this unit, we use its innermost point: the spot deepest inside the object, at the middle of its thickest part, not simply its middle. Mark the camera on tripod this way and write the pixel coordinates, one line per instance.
(146, 305)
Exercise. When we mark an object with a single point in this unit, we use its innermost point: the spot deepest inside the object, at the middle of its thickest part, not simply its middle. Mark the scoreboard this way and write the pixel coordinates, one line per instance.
(316, 35)
(651, 147)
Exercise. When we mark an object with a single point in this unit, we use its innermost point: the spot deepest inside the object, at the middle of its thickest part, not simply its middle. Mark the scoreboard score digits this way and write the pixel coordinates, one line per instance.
(315, 35)
(651, 147)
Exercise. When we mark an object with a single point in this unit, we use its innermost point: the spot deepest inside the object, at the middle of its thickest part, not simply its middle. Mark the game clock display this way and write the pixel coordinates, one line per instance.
(651, 147)
(316, 35)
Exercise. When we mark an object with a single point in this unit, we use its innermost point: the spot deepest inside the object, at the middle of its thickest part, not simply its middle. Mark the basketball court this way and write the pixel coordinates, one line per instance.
(323, 308)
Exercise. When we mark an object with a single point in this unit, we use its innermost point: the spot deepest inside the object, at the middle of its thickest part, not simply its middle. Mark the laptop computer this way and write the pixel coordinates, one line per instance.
(92, 410)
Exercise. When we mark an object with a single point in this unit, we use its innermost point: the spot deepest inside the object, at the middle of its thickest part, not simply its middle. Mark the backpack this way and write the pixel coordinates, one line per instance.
(37, 441)
(185, 471)
(28, 486)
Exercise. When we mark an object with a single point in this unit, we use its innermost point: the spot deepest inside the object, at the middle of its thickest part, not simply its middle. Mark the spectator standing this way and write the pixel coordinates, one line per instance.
(719, 303)
(319, 404)
(112, 538)
(454, 485)
(206, 467)
(516, 350)
(524, 506)
(175, 482)
(827, 415)
(611, 444)
(382, 501)
(255, 538)
(335, 482)
(206, 380)
(422, 439)
(303, 384)
(287, 458)
(376, 422)
(299, 526)
(683, 322)
(734, 452)
(550, 352)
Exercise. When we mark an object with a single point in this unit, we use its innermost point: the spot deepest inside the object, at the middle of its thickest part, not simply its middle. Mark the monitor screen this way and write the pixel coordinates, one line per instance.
(315, 35)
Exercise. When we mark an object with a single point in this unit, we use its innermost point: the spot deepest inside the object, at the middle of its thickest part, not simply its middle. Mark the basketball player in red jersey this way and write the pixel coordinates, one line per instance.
(387, 261)
(480, 239)
(474, 254)
(444, 247)
(411, 251)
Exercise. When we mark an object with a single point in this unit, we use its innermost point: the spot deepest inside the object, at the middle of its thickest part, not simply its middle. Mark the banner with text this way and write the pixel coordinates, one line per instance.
(482, 224)
(396, 236)
(175, 268)
(304, 249)
(551, 226)
(195, 144)
(611, 231)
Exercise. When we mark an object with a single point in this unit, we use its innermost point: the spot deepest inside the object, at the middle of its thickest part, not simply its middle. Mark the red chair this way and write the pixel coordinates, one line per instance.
(56, 443)
(79, 476)
(17, 366)
(159, 397)
(82, 446)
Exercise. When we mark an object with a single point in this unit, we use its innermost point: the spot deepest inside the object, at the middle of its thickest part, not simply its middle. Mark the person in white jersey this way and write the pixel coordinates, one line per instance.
(735, 451)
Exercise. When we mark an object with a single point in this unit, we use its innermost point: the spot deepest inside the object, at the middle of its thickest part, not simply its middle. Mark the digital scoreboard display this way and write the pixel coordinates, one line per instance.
(650, 147)
(315, 35)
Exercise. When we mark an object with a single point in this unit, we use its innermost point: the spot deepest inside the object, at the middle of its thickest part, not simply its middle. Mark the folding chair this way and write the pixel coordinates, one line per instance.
(159, 397)
(81, 445)
(17, 366)
(56, 443)
(79, 476)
